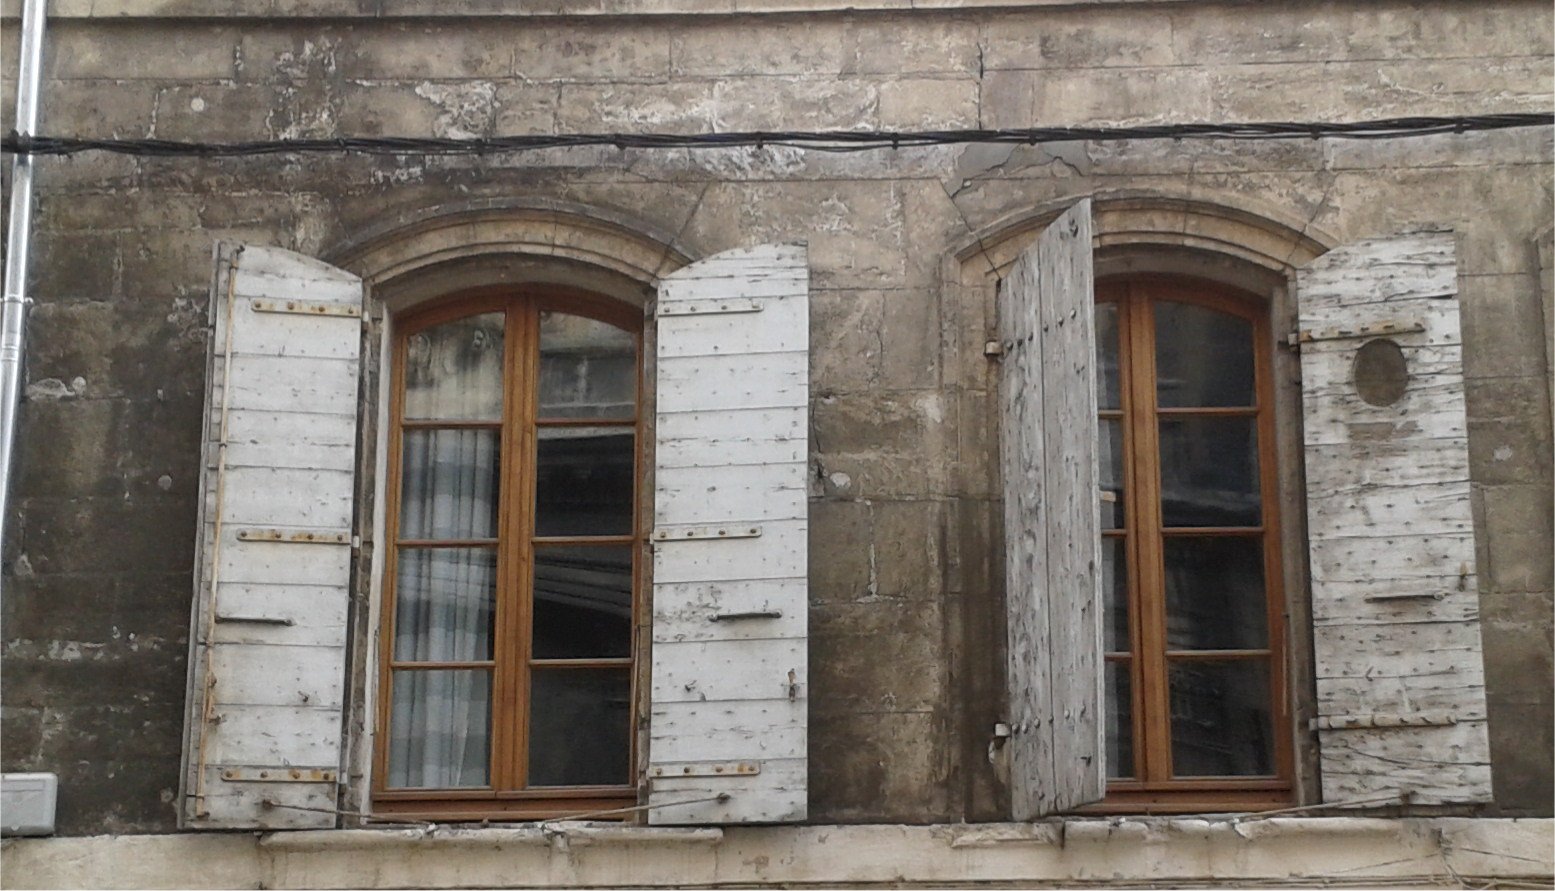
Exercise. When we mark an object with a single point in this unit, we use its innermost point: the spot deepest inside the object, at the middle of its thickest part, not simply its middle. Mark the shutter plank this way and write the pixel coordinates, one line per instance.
(1047, 395)
(731, 451)
(268, 633)
(1388, 516)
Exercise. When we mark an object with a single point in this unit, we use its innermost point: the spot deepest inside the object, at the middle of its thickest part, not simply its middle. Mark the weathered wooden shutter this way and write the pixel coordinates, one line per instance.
(262, 739)
(730, 607)
(1395, 604)
(1049, 446)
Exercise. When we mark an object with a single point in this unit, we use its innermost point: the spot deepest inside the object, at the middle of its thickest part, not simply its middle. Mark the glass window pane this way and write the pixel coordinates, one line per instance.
(1209, 472)
(584, 481)
(1114, 592)
(440, 729)
(449, 485)
(1120, 722)
(1214, 593)
(579, 727)
(1220, 718)
(583, 602)
(1107, 380)
(588, 368)
(1111, 469)
(1203, 357)
(453, 371)
(445, 604)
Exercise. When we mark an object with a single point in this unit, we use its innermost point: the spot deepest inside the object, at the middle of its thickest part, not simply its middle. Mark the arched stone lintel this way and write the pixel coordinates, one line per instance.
(1135, 224)
(421, 255)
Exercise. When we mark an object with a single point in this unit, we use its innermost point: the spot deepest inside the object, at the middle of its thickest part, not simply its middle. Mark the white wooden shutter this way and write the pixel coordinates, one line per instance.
(262, 742)
(730, 606)
(1395, 604)
(1049, 446)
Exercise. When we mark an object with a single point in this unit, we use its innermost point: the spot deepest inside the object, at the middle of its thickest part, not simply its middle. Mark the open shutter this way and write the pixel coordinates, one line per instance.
(1052, 523)
(262, 739)
(1395, 604)
(730, 606)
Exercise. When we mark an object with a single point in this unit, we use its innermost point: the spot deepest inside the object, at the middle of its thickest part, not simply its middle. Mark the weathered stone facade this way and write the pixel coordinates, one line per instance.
(905, 622)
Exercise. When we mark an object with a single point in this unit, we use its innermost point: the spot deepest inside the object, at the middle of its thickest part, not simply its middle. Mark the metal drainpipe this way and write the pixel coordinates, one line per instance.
(18, 246)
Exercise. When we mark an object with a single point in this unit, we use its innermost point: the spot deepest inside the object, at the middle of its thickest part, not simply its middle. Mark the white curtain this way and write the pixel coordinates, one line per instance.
(439, 734)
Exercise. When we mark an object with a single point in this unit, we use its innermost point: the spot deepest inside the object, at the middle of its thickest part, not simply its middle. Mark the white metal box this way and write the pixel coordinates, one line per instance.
(27, 803)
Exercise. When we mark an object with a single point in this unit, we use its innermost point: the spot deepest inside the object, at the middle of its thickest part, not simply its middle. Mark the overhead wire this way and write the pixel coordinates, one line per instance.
(816, 140)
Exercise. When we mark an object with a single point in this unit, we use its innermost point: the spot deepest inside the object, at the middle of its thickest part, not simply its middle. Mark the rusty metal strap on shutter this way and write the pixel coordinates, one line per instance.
(1375, 329)
(707, 307)
(1439, 718)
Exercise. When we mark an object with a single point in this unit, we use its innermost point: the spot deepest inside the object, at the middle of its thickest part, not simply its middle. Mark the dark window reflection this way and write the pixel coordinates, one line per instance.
(584, 481)
(1209, 472)
(1220, 719)
(579, 726)
(588, 368)
(454, 370)
(1107, 380)
(1202, 357)
(1214, 593)
(1111, 469)
(1114, 592)
(583, 602)
(1120, 721)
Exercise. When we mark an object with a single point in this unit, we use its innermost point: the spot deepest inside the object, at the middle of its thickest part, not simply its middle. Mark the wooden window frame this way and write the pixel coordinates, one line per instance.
(512, 664)
(1153, 788)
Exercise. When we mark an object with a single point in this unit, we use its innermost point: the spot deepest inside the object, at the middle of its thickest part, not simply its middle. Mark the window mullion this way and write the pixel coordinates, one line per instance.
(1145, 451)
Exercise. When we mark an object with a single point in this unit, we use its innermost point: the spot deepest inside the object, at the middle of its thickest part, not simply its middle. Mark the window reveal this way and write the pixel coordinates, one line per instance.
(1194, 660)
(512, 584)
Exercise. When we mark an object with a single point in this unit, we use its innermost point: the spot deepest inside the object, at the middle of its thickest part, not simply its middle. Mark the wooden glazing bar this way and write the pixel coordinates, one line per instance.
(447, 543)
(1208, 411)
(604, 662)
(479, 665)
(1211, 531)
(586, 422)
(436, 424)
(1217, 655)
(584, 540)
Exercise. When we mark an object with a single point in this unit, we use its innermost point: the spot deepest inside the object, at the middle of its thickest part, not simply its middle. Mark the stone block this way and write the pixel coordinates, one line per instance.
(69, 267)
(220, 113)
(908, 548)
(678, 107)
(1095, 97)
(21, 731)
(171, 266)
(410, 50)
(104, 535)
(1502, 323)
(1515, 627)
(879, 656)
(590, 51)
(385, 110)
(910, 339)
(928, 104)
(800, 45)
(1298, 91)
(69, 447)
(127, 669)
(845, 340)
(526, 108)
(884, 445)
(841, 551)
(898, 46)
(1518, 529)
(747, 104)
(171, 51)
(1078, 39)
(886, 767)
(1361, 32)
(101, 109)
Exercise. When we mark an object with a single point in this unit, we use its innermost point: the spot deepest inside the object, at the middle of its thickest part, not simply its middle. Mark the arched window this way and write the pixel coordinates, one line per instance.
(1193, 620)
(511, 584)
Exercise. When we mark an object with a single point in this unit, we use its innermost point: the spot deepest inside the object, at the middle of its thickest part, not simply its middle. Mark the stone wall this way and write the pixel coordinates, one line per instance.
(98, 568)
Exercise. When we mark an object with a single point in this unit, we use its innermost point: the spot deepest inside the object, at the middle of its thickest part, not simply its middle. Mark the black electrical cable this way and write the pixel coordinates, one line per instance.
(825, 140)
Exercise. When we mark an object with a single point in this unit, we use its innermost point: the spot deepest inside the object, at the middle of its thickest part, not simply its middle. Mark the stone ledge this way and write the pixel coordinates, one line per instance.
(1333, 851)
(438, 9)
